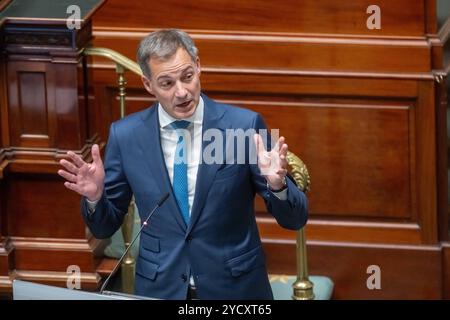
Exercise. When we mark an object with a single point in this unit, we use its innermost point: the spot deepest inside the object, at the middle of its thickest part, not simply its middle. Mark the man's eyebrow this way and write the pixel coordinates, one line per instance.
(187, 68)
(163, 77)
(167, 76)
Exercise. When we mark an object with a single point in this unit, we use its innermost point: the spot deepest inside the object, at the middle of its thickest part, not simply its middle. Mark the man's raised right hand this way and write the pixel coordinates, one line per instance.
(87, 179)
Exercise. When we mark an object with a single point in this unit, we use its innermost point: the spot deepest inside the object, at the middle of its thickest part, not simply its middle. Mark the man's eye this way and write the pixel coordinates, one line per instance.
(166, 84)
(188, 77)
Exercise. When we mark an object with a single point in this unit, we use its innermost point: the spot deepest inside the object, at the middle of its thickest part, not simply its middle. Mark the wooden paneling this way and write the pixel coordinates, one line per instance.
(57, 215)
(425, 132)
(357, 152)
(43, 113)
(35, 259)
(43, 254)
(35, 89)
(31, 108)
(292, 53)
(34, 254)
(360, 151)
(407, 272)
(442, 164)
(399, 18)
(345, 230)
(36, 143)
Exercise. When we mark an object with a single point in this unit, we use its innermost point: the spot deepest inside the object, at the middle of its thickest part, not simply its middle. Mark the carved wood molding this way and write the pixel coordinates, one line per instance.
(205, 34)
(342, 231)
(98, 64)
(50, 243)
(40, 160)
(54, 276)
(18, 38)
(268, 53)
(27, 38)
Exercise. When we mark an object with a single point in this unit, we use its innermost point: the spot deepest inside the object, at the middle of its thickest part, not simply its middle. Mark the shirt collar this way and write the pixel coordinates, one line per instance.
(166, 119)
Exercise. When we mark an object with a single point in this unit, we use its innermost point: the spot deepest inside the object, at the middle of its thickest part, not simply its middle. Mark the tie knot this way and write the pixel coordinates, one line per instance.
(180, 124)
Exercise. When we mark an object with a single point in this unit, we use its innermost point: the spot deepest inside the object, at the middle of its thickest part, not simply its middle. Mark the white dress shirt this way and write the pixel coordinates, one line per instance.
(169, 140)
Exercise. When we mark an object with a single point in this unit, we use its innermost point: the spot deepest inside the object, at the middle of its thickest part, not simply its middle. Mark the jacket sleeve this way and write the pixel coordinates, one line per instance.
(291, 213)
(112, 207)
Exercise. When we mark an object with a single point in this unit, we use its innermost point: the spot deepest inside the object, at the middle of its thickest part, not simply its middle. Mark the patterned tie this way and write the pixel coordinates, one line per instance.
(180, 179)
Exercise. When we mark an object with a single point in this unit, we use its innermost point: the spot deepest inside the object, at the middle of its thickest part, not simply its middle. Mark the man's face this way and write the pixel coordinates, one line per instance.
(175, 83)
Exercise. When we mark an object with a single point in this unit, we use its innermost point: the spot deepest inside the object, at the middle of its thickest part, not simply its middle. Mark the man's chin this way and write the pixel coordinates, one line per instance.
(184, 112)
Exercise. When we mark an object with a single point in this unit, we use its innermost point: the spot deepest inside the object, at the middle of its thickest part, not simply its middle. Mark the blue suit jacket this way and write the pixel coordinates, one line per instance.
(220, 247)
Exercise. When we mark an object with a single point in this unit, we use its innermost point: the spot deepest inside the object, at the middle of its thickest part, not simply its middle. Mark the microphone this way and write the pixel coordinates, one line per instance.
(144, 224)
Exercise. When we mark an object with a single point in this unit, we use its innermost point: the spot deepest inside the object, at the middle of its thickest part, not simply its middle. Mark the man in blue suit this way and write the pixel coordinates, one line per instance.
(203, 241)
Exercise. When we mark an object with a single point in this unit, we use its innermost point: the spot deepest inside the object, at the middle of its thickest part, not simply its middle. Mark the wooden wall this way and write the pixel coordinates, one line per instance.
(363, 108)
(359, 106)
(43, 114)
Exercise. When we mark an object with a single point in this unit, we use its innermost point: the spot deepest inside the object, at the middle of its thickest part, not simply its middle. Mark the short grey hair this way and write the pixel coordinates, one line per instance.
(163, 44)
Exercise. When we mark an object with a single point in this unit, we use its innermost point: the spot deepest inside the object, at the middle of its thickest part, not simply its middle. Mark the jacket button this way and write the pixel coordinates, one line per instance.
(184, 277)
(189, 239)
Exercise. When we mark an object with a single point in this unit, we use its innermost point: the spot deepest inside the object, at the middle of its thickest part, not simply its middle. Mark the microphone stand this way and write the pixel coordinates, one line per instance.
(144, 224)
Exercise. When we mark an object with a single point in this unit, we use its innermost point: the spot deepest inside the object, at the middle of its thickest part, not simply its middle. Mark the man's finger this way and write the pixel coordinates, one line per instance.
(96, 155)
(73, 187)
(284, 149)
(277, 145)
(260, 149)
(69, 166)
(68, 176)
(76, 159)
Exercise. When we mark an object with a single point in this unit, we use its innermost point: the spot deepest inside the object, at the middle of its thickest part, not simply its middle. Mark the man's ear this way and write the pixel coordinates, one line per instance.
(199, 69)
(147, 84)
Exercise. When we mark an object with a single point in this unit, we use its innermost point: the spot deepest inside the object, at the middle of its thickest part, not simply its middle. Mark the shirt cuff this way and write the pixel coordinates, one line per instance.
(282, 195)
(91, 205)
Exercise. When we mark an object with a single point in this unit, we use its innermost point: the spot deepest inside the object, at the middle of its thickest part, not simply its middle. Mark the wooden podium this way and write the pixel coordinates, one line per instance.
(44, 106)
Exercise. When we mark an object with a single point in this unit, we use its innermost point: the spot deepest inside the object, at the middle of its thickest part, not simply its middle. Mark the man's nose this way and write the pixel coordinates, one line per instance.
(180, 91)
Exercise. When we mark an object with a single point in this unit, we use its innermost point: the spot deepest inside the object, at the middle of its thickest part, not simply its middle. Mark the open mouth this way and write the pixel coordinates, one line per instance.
(184, 104)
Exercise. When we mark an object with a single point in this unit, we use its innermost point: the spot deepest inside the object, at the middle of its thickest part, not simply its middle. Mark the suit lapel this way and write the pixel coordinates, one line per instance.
(148, 137)
(206, 172)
